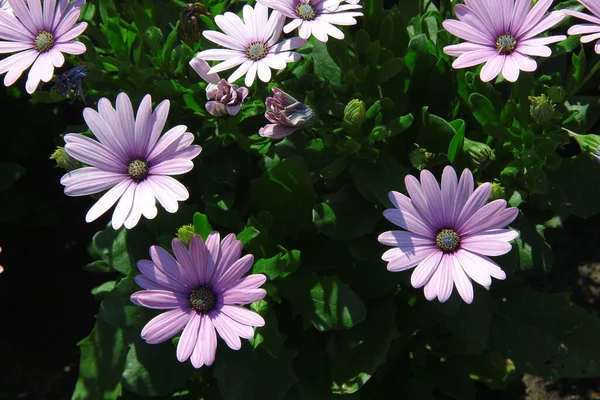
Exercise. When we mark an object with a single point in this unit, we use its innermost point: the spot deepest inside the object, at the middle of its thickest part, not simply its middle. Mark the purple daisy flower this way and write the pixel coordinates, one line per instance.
(39, 36)
(203, 289)
(131, 160)
(591, 31)
(316, 17)
(6, 6)
(251, 43)
(449, 234)
(501, 34)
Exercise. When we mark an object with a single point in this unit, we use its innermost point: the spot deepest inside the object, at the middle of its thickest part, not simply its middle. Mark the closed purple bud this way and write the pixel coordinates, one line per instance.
(286, 114)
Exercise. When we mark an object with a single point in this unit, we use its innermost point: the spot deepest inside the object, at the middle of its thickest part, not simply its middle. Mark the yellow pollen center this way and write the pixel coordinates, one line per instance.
(43, 42)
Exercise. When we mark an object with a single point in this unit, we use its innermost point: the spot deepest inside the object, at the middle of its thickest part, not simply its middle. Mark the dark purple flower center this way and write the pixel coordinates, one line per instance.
(257, 51)
(447, 240)
(43, 42)
(506, 44)
(203, 299)
(306, 11)
(138, 170)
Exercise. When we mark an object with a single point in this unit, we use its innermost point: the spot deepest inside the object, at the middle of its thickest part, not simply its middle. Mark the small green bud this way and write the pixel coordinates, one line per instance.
(64, 160)
(185, 234)
(479, 153)
(589, 144)
(379, 133)
(541, 108)
(420, 158)
(497, 191)
(355, 112)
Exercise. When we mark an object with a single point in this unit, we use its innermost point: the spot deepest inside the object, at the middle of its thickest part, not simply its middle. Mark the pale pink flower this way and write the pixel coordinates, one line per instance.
(39, 35)
(131, 159)
(251, 44)
(286, 115)
(203, 290)
(501, 34)
(449, 233)
(590, 31)
(316, 17)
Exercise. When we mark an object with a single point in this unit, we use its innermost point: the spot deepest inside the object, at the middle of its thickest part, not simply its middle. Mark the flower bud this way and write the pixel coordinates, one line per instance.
(541, 108)
(420, 158)
(63, 160)
(497, 191)
(354, 112)
(479, 153)
(224, 98)
(185, 234)
(379, 133)
(190, 24)
(286, 114)
(70, 83)
(589, 144)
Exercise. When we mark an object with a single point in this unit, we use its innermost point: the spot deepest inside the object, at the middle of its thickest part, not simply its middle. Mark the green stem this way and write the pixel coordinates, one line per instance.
(576, 88)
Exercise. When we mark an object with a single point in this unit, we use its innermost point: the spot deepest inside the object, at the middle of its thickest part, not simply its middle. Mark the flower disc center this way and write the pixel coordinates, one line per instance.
(256, 51)
(43, 42)
(447, 240)
(138, 170)
(203, 299)
(506, 44)
(305, 11)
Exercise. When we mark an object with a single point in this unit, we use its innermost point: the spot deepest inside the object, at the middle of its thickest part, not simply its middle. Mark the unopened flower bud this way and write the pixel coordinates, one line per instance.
(63, 160)
(589, 144)
(380, 132)
(479, 153)
(185, 234)
(224, 98)
(354, 112)
(497, 191)
(70, 83)
(541, 108)
(190, 24)
(420, 158)
(286, 114)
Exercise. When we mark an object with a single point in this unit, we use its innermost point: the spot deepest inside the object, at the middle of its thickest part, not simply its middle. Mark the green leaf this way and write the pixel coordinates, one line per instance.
(325, 303)
(436, 133)
(325, 66)
(118, 310)
(280, 265)
(545, 334)
(102, 360)
(483, 109)
(286, 192)
(456, 144)
(375, 180)
(533, 250)
(153, 370)
(248, 375)
(362, 350)
(201, 225)
(390, 69)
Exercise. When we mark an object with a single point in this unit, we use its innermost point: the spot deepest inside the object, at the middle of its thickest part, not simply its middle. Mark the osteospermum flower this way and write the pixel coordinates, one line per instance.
(131, 159)
(590, 31)
(251, 43)
(316, 17)
(5, 6)
(449, 233)
(202, 289)
(501, 34)
(39, 36)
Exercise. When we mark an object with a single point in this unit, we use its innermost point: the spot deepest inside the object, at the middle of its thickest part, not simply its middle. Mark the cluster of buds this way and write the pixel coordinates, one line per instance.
(286, 114)
(224, 98)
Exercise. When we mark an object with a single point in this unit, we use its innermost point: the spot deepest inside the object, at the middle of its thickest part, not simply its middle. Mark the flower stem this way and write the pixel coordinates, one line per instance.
(576, 88)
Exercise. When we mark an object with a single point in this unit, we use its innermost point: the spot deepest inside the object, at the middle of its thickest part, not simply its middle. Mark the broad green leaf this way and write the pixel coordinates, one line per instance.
(325, 303)
(102, 361)
(201, 225)
(325, 66)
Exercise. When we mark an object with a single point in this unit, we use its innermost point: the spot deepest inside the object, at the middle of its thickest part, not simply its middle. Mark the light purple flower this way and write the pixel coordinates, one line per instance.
(501, 34)
(591, 31)
(203, 289)
(130, 159)
(6, 6)
(316, 17)
(251, 43)
(449, 233)
(286, 114)
(39, 35)
(225, 98)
